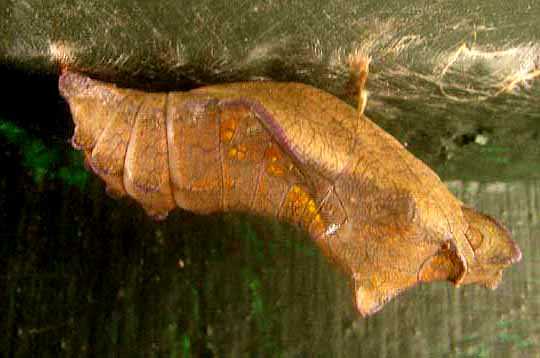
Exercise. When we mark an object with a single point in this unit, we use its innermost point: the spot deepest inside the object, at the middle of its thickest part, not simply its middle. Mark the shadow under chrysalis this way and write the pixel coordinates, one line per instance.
(299, 154)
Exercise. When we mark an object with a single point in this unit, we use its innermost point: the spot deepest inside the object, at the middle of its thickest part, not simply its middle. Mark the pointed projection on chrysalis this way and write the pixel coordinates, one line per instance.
(293, 152)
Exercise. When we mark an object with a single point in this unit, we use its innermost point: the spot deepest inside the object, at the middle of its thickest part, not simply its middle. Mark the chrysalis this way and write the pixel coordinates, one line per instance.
(294, 152)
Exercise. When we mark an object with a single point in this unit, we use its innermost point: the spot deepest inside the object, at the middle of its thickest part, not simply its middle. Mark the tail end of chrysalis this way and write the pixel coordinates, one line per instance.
(62, 54)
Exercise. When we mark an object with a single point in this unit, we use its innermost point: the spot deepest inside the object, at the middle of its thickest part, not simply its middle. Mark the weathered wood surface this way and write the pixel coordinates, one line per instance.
(84, 274)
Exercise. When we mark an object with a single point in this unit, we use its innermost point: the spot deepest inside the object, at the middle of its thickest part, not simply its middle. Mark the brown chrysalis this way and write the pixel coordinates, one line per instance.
(294, 152)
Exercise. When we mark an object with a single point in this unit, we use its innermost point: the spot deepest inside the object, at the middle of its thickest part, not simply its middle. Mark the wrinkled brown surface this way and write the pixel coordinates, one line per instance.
(290, 151)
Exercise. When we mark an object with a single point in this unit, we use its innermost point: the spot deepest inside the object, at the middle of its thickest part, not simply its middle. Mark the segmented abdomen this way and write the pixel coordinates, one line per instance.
(200, 153)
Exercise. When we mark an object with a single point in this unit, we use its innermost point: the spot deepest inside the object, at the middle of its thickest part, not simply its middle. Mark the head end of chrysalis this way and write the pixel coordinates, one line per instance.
(493, 248)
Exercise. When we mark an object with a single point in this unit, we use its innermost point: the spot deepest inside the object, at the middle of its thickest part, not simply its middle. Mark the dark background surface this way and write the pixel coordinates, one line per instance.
(85, 274)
